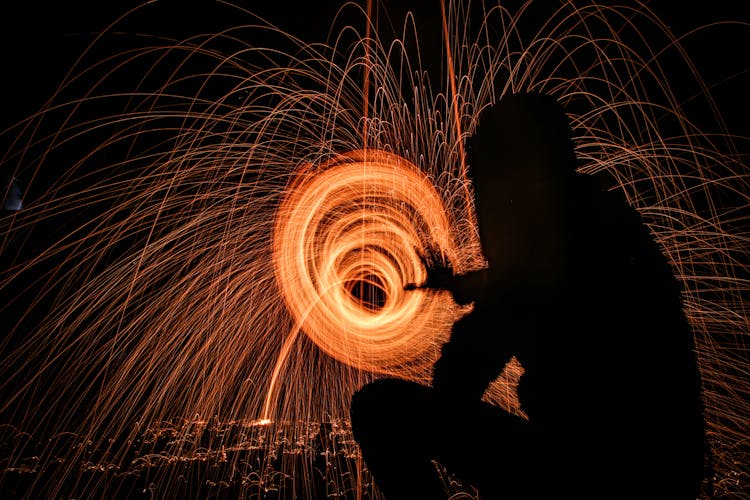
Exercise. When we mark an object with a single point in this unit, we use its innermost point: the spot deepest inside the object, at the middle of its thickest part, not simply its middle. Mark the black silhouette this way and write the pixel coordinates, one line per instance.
(578, 291)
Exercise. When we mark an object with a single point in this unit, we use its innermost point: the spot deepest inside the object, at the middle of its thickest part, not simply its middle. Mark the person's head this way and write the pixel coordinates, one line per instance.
(520, 160)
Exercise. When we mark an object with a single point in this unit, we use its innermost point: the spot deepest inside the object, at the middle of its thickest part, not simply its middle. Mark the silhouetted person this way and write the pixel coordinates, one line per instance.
(578, 291)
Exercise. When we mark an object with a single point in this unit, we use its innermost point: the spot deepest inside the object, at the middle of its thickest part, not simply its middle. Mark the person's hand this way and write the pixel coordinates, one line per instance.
(439, 275)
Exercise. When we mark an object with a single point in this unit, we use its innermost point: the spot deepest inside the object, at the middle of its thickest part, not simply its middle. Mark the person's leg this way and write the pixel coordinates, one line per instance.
(487, 447)
(402, 426)
(393, 425)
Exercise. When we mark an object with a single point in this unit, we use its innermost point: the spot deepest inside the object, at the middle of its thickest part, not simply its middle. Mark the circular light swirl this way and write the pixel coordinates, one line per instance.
(347, 239)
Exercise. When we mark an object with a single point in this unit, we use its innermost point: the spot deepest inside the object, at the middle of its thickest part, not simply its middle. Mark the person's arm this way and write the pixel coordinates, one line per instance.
(502, 324)
(475, 355)
(465, 288)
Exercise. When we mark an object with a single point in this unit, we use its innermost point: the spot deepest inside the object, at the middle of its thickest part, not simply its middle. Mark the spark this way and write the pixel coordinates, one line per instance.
(320, 260)
(233, 242)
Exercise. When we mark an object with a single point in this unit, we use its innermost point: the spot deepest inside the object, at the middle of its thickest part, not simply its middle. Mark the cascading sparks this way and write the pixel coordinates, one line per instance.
(348, 237)
(200, 256)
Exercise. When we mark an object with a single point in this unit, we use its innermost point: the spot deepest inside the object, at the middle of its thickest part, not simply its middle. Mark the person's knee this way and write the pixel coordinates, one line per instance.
(373, 399)
(367, 411)
(383, 404)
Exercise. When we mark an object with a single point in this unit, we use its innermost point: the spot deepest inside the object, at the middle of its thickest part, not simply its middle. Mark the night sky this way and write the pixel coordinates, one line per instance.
(39, 38)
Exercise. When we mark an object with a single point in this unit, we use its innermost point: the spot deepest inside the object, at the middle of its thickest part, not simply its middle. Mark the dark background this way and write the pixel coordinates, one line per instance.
(40, 38)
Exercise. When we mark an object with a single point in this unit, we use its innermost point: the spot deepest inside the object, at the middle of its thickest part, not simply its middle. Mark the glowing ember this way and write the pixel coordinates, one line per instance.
(231, 239)
(356, 223)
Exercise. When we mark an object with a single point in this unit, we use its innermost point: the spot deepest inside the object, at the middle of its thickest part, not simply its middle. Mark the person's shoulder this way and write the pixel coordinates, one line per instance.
(602, 200)
(604, 218)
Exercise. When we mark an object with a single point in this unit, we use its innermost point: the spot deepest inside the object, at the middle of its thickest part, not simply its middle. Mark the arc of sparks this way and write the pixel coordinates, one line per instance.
(342, 256)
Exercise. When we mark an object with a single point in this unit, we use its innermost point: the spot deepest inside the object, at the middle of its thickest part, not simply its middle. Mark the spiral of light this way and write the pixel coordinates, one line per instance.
(345, 245)
(206, 226)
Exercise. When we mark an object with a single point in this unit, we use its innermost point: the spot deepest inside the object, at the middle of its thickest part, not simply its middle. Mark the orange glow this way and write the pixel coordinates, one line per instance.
(385, 201)
(245, 260)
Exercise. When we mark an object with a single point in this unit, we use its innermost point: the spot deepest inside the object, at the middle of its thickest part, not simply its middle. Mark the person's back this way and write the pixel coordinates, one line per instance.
(611, 376)
(579, 293)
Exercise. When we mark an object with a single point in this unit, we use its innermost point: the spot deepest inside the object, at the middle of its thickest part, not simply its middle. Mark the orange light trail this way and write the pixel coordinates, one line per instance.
(319, 260)
(454, 95)
(230, 237)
